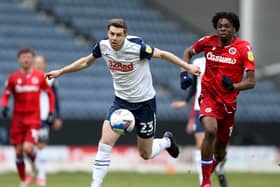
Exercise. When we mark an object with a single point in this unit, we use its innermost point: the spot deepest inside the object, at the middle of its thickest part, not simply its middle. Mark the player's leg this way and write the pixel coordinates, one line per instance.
(30, 152)
(42, 155)
(199, 136)
(103, 156)
(220, 157)
(210, 125)
(41, 164)
(225, 127)
(30, 140)
(20, 162)
(150, 147)
(17, 137)
(145, 123)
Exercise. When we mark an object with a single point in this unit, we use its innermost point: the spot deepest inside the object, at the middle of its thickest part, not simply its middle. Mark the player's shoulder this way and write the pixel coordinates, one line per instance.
(242, 44)
(209, 37)
(104, 41)
(15, 74)
(135, 39)
(38, 72)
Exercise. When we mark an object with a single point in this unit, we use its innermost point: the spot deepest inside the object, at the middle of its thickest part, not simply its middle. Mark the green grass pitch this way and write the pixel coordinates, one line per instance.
(126, 179)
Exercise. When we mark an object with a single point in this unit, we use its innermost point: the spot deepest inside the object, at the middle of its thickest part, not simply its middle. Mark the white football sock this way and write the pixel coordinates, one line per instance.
(197, 159)
(159, 145)
(41, 162)
(101, 165)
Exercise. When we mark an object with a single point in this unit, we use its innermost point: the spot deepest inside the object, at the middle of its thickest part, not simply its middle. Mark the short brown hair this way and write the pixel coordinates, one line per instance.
(26, 50)
(117, 22)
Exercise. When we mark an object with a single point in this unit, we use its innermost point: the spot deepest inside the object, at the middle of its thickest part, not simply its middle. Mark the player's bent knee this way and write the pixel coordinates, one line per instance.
(28, 150)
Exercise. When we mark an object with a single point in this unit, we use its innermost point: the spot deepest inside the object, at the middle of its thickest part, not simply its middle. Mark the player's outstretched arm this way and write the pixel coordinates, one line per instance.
(170, 57)
(77, 65)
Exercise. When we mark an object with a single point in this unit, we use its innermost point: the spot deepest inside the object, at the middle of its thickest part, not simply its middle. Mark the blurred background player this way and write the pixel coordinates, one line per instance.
(227, 59)
(25, 86)
(127, 58)
(194, 125)
(40, 63)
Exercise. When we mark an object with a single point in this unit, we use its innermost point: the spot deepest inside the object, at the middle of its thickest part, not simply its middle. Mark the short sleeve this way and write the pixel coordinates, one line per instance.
(198, 46)
(96, 52)
(146, 51)
(248, 58)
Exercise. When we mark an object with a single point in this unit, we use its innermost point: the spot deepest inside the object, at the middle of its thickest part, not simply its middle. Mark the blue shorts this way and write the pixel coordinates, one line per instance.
(144, 113)
(44, 132)
(198, 125)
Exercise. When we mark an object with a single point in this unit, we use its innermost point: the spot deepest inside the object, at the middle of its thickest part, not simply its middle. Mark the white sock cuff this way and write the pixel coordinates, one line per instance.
(197, 154)
(104, 148)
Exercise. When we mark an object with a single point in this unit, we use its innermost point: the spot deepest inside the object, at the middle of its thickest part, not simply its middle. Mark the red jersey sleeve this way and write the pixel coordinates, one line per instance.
(248, 57)
(199, 45)
(7, 92)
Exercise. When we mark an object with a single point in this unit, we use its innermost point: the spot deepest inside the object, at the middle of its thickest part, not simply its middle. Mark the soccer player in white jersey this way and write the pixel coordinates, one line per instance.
(195, 126)
(128, 57)
(56, 123)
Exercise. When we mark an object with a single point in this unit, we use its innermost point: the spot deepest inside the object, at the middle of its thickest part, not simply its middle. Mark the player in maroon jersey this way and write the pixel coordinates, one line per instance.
(227, 58)
(25, 86)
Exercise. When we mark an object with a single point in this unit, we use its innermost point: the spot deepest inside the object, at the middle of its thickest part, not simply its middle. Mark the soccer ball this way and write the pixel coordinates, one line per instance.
(122, 121)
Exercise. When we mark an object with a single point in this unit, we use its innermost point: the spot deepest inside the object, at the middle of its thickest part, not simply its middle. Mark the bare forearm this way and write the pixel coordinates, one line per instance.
(245, 84)
(174, 59)
(78, 65)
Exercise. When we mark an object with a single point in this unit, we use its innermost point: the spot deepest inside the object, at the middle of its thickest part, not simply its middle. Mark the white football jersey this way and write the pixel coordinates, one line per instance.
(200, 62)
(44, 102)
(129, 67)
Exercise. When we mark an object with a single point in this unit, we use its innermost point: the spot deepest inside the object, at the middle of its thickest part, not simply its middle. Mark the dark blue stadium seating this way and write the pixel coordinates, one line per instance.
(89, 93)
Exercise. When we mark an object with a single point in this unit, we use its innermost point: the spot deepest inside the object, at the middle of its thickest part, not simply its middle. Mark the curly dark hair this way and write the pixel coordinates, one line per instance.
(230, 16)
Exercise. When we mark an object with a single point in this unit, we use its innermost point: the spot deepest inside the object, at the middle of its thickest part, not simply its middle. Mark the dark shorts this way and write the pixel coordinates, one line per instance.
(44, 132)
(198, 125)
(144, 113)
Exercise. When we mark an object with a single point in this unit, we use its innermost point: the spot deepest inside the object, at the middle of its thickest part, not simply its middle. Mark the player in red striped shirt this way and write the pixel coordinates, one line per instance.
(227, 59)
(25, 86)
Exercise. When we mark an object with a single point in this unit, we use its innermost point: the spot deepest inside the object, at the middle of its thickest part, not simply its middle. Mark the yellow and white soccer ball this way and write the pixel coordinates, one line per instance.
(122, 121)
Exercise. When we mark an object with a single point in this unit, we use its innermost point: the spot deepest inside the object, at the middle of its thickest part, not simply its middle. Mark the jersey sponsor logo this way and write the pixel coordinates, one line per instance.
(250, 56)
(118, 66)
(148, 49)
(22, 89)
(221, 59)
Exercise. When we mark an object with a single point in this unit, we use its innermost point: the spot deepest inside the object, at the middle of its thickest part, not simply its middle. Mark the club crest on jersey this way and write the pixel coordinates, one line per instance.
(118, 66)
(35, 80)
(232, 50)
